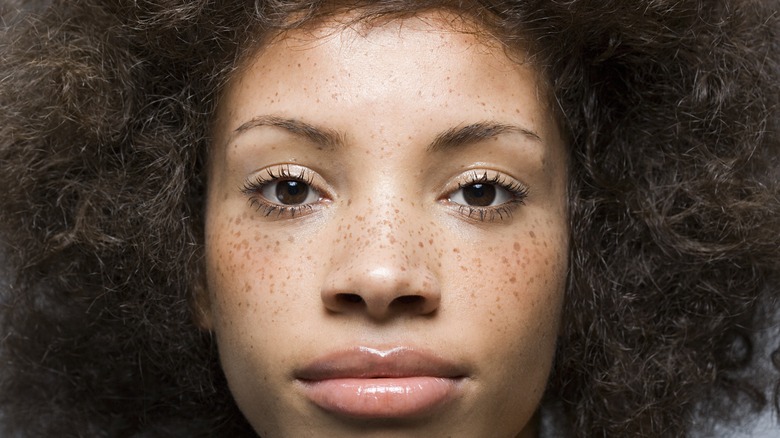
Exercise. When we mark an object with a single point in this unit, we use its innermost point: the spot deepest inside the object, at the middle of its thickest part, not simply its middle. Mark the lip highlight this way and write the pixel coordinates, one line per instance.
(366, 382)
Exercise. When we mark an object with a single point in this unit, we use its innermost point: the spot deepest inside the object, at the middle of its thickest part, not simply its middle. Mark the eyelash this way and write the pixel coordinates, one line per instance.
(518, 192)
(254, 186)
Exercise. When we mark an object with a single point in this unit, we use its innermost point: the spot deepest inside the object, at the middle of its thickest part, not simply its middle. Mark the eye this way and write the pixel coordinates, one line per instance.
(284, 191)
(289, 192)
(480, 195)
(487, 195)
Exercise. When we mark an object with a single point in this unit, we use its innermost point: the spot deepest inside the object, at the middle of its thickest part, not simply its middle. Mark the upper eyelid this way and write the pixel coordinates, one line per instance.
(486, 176)
(268, 175)
(304, 175)
(283, 171)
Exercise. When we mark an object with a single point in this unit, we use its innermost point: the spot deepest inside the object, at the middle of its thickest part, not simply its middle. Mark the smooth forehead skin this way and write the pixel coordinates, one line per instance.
(384, 259)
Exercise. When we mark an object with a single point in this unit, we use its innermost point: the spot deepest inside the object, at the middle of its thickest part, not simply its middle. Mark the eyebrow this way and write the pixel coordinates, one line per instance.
(447, 140)
(317, 135)
(476, 132)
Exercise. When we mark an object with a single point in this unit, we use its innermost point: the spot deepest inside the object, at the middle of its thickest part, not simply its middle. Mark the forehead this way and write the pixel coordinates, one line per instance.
(397, 23)
(410, 54)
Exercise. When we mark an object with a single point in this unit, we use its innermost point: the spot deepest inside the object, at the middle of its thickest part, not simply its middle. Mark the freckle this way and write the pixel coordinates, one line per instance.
(532, 234)
(430, 241)
(513, 280)
(420, 244)
(517, 246)
(455, 250)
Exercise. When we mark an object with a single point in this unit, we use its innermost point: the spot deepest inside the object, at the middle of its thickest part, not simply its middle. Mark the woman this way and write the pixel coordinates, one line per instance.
(387, 218)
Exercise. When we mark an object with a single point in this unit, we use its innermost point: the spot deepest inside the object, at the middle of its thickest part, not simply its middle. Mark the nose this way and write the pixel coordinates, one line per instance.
(380, 269)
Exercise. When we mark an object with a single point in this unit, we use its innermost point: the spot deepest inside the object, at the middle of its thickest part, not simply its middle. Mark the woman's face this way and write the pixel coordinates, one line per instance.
(386, 234)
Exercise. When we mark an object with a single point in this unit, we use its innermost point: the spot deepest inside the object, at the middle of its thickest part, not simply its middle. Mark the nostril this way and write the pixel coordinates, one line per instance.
(409, 299)
(349, 298)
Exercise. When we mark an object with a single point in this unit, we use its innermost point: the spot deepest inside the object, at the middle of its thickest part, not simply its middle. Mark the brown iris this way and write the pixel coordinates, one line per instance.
(479, 195)
(291, 192)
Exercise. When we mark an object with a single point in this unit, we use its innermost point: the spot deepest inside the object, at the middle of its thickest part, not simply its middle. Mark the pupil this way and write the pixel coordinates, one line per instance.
(479, 195)
(291, 192)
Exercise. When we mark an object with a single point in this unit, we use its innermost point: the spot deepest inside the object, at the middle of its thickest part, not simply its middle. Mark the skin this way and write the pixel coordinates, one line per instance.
(384, 254)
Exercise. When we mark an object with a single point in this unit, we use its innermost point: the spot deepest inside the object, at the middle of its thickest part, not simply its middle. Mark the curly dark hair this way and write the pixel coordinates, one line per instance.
(671, 112)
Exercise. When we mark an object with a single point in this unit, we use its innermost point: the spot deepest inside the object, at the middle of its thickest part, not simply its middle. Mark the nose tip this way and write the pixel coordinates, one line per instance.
(383, 292)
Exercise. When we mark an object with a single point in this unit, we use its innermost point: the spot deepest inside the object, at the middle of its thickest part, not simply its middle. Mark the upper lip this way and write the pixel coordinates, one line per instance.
(367, 363)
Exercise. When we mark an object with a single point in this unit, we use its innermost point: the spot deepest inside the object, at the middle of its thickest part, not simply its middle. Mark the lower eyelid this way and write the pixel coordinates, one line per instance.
(489, 214)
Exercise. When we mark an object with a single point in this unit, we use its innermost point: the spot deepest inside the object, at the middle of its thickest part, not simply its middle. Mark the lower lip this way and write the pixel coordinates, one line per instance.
(395, 397)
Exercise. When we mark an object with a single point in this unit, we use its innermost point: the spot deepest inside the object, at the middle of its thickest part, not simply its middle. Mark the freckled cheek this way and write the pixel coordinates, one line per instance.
(511, 281)
(253, 277)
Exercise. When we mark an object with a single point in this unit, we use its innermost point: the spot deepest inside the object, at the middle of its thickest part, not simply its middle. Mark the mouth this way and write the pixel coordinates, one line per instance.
(365, 382)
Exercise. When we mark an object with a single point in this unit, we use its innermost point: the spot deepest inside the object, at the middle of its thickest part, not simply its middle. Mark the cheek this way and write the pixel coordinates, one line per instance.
(511, 289)
(510, 294)
(253, 277)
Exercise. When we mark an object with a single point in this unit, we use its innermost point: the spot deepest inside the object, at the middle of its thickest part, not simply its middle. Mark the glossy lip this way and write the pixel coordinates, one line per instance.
(366, 382)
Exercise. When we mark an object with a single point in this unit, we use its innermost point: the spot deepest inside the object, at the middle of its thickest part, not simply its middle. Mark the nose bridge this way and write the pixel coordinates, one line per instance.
(383, 232)
(381, 261)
